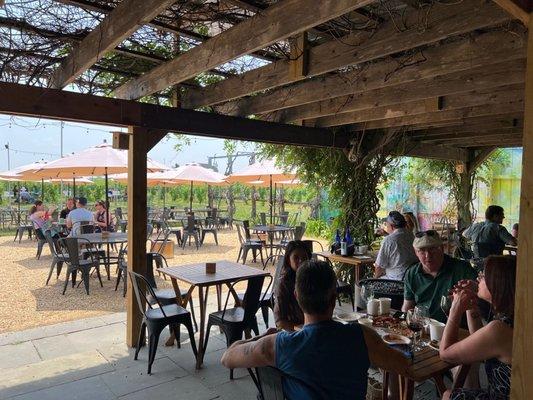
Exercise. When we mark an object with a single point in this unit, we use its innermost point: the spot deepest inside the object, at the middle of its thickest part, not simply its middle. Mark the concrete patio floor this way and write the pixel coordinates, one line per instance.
(88, 359)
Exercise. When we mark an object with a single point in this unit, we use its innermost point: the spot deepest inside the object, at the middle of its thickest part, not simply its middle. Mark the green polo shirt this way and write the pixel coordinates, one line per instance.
(426, 290)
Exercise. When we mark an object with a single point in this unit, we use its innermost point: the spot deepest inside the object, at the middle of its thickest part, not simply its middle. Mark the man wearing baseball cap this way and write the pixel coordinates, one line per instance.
(434, 276)
(396, 253)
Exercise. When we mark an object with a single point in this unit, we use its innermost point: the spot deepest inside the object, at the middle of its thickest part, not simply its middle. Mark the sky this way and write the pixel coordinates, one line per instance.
(33, 139)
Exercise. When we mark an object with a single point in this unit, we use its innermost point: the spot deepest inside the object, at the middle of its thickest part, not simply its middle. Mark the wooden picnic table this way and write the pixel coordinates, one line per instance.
(195, 275)
(357, 261)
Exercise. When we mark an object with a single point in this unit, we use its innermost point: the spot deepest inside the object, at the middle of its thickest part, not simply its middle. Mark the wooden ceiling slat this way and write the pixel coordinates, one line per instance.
(277, 22)
(356, 48)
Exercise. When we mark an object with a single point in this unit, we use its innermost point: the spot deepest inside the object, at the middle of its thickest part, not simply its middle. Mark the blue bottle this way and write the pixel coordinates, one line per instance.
(348, 237)
(338, 237)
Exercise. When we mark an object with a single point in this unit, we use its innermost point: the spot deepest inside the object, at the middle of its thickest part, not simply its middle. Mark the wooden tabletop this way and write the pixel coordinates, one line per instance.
(353, 260)
(268, 228)
(426, 364)
(114, 237)
(226, 271)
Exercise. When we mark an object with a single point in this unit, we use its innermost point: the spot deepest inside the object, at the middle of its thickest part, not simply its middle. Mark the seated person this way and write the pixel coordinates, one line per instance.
(327, 359)
(412, 222)
(396, 253)
(40, 218)
(102, 218)
(77, 216)
(492, 342)
(434, 276)
(69, 206)
(287, 312)
(489, 237)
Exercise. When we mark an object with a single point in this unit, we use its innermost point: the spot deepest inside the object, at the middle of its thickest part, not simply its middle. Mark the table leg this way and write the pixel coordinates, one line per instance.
(219, 297)
(407, 388)
(203, 308)
(108, 264)
(439, 382)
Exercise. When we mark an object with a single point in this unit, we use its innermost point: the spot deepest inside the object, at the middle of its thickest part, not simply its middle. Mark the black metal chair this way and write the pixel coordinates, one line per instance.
(190, 230)
(86, 227)
(58, 257)
(248, 244)
(71, 246)
(157, 319)
(240, 319)
(21, 228)
(343, 287)
(41, 240)
(386, 288)
(209, 226)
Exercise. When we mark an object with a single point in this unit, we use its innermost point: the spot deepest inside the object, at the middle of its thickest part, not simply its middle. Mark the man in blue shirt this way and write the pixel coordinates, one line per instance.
(327, 359)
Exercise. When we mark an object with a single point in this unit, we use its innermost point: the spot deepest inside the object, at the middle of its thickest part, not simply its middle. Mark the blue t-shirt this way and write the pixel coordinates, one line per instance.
(330, 357)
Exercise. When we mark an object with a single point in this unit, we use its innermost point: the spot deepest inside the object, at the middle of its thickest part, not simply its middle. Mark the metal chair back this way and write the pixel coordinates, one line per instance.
(86, 227)
(240, 232)
(252, 297)
(138, 282)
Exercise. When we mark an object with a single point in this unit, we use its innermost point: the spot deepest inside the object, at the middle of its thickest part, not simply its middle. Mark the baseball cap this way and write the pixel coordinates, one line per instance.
(427, 239)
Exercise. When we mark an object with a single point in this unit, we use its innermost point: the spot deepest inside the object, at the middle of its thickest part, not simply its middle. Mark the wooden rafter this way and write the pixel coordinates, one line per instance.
(60, 104)
(480, 78)
(356, 48)
(282, 20)
(515, 9)
(477, 51)
(125, 19)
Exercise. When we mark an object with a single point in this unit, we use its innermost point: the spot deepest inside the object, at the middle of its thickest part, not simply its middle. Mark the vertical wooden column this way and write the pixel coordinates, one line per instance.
(137, 220)
(522, 375)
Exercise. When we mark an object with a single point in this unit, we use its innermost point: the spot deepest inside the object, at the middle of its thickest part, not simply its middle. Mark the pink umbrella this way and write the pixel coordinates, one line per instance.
(102, 159)
(261, 171)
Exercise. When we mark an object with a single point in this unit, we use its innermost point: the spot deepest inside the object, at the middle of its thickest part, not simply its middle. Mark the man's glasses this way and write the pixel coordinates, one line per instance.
(431, 232)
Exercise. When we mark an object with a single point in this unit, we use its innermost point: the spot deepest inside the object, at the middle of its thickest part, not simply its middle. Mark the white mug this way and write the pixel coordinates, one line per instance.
(372, 307)
(436, 329)
(384, 305)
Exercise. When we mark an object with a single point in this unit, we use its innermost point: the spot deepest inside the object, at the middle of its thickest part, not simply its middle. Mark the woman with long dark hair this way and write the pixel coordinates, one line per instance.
(491, 343)
(287, 312)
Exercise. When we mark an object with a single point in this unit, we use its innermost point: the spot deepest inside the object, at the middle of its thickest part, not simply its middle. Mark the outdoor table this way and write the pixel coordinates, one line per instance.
(196, 276)
(271, 230)
(357, 261)
(111, 238)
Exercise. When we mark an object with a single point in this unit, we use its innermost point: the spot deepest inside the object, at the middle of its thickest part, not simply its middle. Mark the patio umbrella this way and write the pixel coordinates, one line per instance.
(152, 179)
(265, 170)
(24, 173)
(98, 160)
(191, 173)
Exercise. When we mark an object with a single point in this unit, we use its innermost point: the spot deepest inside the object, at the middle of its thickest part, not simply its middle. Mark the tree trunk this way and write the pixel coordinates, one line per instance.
(281, 206)
(315, 206)
(210, 196)
(254, 202)
(231, 203)
(464, 199)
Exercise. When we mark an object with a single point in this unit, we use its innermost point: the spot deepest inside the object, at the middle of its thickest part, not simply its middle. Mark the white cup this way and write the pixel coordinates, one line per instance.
(372, 307)
(384, 305)
(436, 329)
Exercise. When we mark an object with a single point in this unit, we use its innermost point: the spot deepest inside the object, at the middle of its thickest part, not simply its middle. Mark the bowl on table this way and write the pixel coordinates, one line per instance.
(393, 338)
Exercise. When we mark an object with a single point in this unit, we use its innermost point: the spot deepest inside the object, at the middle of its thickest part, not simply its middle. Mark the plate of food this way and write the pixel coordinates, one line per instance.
(392, 325)
(349, 316)
(393, 338)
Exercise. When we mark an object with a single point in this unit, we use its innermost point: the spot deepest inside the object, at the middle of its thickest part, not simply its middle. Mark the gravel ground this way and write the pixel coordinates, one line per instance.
(26, 302)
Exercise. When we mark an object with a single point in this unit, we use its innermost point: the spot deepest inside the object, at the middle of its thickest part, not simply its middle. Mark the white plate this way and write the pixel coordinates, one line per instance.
(393, 338)
(350, 316)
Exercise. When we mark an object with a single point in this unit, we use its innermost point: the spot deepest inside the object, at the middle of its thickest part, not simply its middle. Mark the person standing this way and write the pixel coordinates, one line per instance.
(77, 216)
(396, 254)
(489, 237)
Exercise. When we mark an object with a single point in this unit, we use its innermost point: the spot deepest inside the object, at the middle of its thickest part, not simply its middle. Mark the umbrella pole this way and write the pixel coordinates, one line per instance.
(18, 196)
(74, 186)
(106, 191)
(271, 216)
(42, 189)
(190, 200)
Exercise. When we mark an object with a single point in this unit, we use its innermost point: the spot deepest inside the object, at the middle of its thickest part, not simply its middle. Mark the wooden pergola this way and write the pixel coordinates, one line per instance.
(448, 78)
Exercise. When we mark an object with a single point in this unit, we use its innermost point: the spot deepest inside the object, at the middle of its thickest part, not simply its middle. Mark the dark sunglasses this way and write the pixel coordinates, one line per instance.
(430, 232)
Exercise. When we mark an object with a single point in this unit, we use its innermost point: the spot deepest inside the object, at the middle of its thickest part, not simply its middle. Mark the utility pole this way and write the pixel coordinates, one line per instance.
(62, 125)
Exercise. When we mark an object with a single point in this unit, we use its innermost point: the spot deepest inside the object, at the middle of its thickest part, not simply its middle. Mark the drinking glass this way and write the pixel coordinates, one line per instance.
(416, 324)
(367, 293)
(446, 304)
(423, 313)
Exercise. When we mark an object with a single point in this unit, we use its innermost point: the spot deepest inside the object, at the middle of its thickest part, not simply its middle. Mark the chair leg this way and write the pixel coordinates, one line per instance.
(188, 325)
(261, 255)
(216, 238)
(240, 253)
(254, 254)
(54, 262)
(352, 300)
(59, 268)
(245, 254)
(192, 314)
(153, 341)
(85, 275)
(66, 281)
(119, 275)
(196, 240)
(140, 340)
(74, 277)
(264, 311)
(209, 325)
(99, 276)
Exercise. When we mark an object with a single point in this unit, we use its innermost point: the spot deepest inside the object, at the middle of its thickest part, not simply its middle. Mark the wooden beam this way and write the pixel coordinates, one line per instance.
(522, 372)
(118, 25)
(477, 51)
(277, 22)
(299, 56)
(515, 10)
(511, 137)
(137, 222)
(440, 116)
(480, 78)
(18, 99)
(414, 149)
(356, 48)
(502, 95)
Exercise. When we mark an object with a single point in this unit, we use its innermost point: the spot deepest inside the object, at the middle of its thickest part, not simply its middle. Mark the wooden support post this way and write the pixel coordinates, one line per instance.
(299, 59)
(137, 221)
(522, 375)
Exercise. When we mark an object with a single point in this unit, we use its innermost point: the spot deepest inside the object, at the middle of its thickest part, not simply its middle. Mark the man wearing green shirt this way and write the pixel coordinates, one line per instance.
(434, 276)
